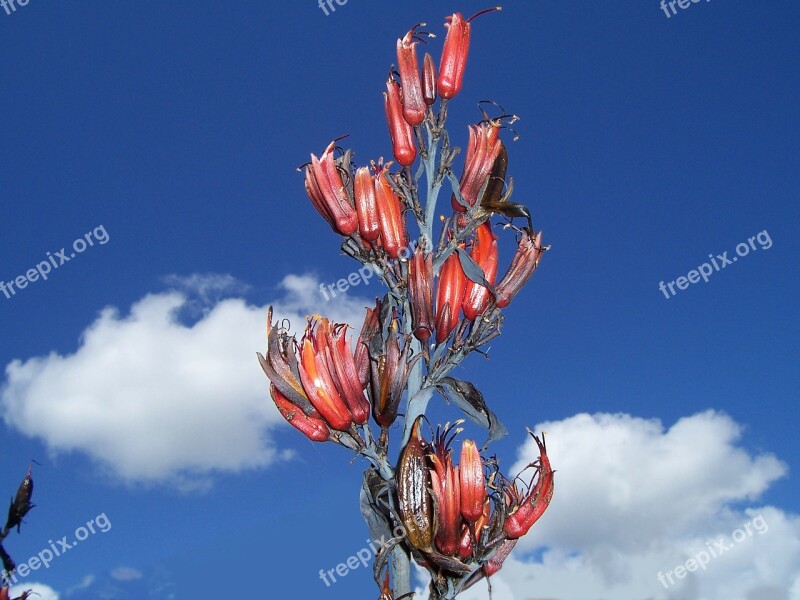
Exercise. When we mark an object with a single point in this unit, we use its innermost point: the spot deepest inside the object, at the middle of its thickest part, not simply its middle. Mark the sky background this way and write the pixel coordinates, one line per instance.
(172, 130)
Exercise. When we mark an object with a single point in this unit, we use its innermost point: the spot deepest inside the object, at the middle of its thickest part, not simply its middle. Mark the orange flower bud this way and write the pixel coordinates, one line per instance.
(454, 56)
(446, 487)
(333, 347)
(473, 486)
(403, 148)
(449, 296)
(454, 53)
(318, 385)
(328, 193)
(366, 207)
(411, 86)
(390, 215)
(523, 266)
(428, 80)
(420, 282)
(483, 150)
(484, 253)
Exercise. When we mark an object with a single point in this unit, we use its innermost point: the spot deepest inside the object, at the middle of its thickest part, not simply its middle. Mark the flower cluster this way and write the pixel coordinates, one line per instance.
(459, 515)
(443, 302)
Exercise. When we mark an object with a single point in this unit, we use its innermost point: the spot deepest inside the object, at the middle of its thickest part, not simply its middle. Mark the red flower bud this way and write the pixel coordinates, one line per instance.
(403, 148)
(413, 103)
(484, 253)
(366, 207)
(494, 564)
(328, 194)
(449, 296)
(420, 292)
(525, 512)
(454, 53)
(390, 215)
(482, 152)
(428, 80)
(473, 487)
(447, 491)
(523, 266)
(454, 56)
(312, 426)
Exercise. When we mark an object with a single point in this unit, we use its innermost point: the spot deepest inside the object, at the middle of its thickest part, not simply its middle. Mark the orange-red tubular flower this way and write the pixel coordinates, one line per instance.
(446, 489)
(473, 487)
(312, 426)
(484, 253)
(403, 148)
(318, 384)
(420, 292)
(413, 103)
(333, 347)
(482, 152)
(449, 296)
(454, 56)
(468, 540)
(528, 510)
(328, 193)
(390, 216)
(454, 53)
(366, 207)
(428, 80)
(523, 266)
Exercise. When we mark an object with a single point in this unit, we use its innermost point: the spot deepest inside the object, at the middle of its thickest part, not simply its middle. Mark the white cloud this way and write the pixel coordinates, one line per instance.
(87, 581)
(633, 499)
(194, 392)
(39, 591)
(125, 574)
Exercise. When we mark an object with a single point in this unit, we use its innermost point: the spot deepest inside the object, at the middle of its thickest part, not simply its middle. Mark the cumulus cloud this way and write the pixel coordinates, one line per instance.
(193, 391)
(634, 499)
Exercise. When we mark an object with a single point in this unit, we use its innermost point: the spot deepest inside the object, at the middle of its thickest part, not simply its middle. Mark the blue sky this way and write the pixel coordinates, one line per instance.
(172, 130)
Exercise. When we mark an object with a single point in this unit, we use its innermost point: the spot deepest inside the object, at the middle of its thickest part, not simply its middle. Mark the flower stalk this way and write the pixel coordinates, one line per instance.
(460, 519)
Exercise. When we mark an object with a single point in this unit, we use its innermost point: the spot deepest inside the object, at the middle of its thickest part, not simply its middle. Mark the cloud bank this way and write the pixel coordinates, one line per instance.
(634, 499)
(150, 397)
